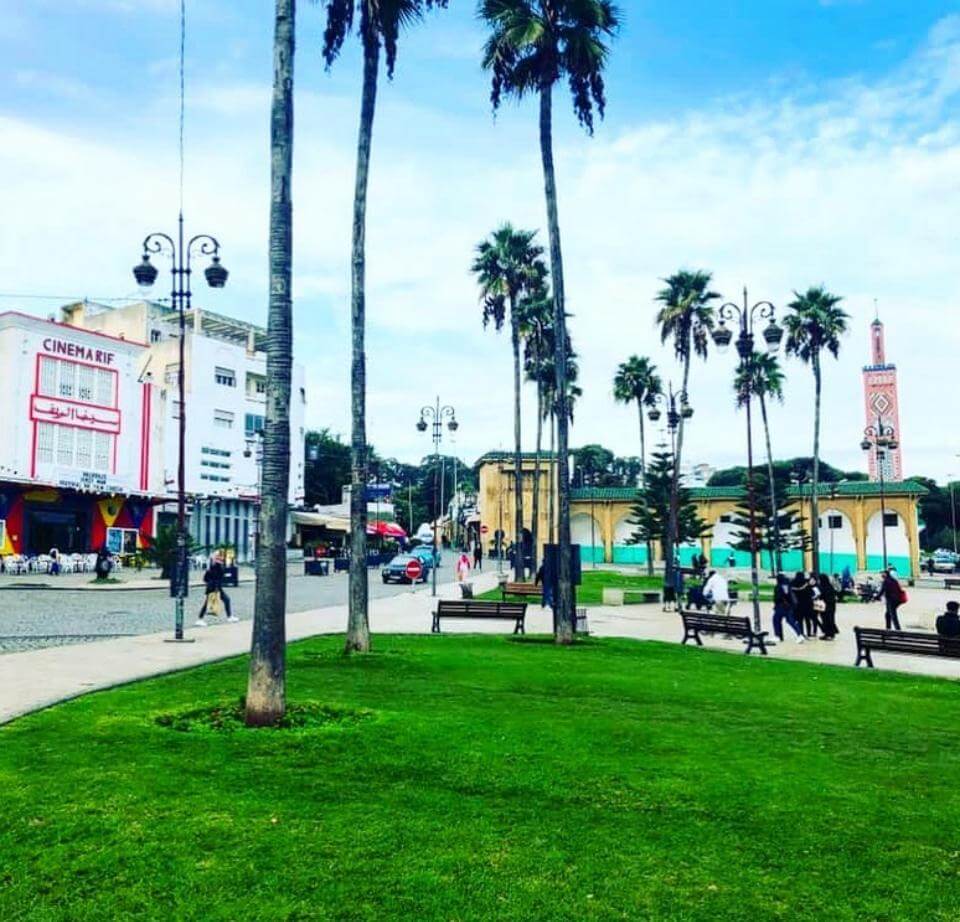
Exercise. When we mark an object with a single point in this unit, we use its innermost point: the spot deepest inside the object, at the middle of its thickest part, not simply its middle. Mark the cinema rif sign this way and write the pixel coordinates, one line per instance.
(69, 413)
(76, 351)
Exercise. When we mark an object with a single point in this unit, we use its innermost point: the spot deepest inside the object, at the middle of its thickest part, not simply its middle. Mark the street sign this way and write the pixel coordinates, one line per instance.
(414, 570)
(484, 529)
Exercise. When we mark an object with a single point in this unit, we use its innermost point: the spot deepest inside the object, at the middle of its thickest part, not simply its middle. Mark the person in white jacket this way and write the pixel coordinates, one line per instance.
(718, 592)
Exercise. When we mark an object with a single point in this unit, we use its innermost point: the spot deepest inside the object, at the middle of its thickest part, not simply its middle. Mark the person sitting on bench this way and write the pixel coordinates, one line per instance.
(948, 624)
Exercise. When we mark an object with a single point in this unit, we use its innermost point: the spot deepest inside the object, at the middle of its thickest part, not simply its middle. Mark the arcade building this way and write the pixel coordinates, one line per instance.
(81, 458)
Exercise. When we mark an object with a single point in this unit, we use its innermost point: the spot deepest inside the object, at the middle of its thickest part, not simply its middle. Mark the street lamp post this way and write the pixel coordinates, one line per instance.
(145, 273)
(953, 516)
(746, 315)
(437, 414)
(881, 438)
(670, 401)
(254, 448)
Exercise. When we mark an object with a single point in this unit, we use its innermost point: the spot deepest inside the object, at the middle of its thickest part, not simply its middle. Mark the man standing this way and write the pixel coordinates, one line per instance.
(478, 555)
(893, 598)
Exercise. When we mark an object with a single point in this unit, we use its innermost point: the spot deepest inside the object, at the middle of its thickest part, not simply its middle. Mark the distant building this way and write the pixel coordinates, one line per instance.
(881, 401)
(225, 369)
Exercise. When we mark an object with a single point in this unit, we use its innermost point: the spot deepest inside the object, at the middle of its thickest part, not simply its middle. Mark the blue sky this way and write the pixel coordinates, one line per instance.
(778, 144)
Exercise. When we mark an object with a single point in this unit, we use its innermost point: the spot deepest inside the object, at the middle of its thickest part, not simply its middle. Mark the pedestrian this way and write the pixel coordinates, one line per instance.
(784, 608)
(717, 592)
(215, 596)
(930, 566)
(731, 560)
(846, 582)
(948, 627)
(54, 562)
(463, 567)
(678, 586)
(893, 597)
(828, 614)
(803, 595)
(540, 579)
(478, 555)
(701, 566)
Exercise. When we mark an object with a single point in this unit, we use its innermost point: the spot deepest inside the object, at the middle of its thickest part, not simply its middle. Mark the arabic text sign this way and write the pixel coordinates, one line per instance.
(68, 413)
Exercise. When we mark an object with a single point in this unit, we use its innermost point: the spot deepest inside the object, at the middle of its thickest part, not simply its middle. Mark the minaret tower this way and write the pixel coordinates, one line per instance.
(882, 400)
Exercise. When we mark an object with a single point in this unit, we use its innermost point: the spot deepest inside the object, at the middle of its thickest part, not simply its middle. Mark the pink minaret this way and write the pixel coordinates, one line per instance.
(881, 400)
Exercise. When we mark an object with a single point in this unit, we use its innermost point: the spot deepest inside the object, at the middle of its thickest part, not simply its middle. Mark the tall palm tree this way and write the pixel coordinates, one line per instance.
(637, 380)
(686, 317)
(762, 377)
(815, 324)
(379, 23)
(266, 684)
(533, 45)
(535, 327)
(509, 270)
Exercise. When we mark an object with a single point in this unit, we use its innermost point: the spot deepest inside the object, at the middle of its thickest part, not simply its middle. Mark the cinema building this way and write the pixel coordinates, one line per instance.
(81, 453)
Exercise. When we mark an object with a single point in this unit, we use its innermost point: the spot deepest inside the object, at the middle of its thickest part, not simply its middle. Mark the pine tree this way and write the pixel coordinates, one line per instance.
(791, 537)
(651, 512)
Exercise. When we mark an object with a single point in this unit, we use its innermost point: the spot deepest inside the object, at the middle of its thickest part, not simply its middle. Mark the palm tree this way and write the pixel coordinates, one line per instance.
(535, 327)
(815, 324)
(534, 44)
(266, 684)
(686, 317)
(637, 380)
(379, 22)
(509, 269)
(761, 377)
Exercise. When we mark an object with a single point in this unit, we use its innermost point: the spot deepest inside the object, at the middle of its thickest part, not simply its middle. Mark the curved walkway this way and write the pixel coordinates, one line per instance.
(36, 679)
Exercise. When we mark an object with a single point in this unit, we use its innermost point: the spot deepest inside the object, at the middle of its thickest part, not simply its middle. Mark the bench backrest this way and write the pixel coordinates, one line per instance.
(473, 608)
(520, 588)
(706, 621)
(907, 641)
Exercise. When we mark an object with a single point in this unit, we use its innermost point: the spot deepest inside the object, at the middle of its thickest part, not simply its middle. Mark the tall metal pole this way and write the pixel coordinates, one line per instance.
(437, 414)
(953, 517)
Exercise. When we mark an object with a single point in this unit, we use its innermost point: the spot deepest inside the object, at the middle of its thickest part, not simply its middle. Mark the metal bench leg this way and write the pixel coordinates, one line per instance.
(435, 629)
(763, 646)
(750, 644)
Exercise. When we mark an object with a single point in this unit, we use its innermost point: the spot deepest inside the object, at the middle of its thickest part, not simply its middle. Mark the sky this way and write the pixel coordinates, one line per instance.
(776, 143)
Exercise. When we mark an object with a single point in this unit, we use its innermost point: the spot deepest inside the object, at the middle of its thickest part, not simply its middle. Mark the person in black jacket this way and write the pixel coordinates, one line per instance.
(213, 580)
(893, 597)
(828, 617)
(948, 624)
(803, 595)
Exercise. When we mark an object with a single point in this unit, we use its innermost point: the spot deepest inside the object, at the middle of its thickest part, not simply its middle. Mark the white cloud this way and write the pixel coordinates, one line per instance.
(850, 184)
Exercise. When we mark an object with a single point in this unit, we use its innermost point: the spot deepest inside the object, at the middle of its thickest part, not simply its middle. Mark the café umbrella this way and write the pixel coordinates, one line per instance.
(386, 530)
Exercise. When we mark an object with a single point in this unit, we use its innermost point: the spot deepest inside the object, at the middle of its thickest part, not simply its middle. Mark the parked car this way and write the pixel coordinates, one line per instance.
(944, 561)
(425, 553)
(396, 570)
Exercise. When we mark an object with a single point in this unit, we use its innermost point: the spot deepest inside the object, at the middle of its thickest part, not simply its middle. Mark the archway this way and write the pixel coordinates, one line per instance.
(585, 531)
(623, 550)
(838, 546)
(725, 535)
(898, 545)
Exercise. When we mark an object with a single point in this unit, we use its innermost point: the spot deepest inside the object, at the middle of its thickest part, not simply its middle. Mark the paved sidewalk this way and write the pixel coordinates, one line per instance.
(126, 580)
(36, 679)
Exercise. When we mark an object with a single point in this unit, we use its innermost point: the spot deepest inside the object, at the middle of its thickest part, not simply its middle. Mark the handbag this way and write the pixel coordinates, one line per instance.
(904, 598)
(819, 605)
(213, 602)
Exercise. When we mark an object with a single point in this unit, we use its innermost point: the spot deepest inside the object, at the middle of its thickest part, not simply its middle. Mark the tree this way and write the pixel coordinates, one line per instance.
(737, 476)
(760, 376)
(637, 380)
(266, 684)
(686, 317)
(533, 45)
(651, 514)
(815, 324)
(778, 525)
(379, 23)
(326, 468)
(509, 269)
(536, 329)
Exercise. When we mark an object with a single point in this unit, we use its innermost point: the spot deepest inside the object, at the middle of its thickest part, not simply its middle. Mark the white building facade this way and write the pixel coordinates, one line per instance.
(225, 392)
(81, 458)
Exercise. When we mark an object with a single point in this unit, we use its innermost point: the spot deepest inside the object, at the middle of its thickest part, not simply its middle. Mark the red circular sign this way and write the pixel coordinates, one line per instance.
(413, 569)
(484, 529)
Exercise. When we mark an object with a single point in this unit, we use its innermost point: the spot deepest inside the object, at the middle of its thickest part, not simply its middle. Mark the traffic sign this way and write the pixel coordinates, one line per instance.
(414, 570)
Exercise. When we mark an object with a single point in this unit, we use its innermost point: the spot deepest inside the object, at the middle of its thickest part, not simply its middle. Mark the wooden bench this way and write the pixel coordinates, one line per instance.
(487, 611)
(530, 590)
(695, 622)
(951, 582)
(909, 643)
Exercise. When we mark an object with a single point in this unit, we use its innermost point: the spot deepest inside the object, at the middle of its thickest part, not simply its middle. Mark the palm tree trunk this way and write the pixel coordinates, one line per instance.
(358, 624)
(565, 598)
(266, 683)
(518, 556)
(814, 499)
(643, 480)
(535, 511)
(551, 481)
(775, 558)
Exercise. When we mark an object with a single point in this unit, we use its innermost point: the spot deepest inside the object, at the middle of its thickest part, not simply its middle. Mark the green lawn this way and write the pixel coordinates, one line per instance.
(590, 592)
(492, 778)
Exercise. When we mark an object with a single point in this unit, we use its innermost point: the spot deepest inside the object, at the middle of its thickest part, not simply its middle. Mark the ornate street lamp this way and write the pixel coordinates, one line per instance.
(145, 273)
(746, 314)
(438, 414)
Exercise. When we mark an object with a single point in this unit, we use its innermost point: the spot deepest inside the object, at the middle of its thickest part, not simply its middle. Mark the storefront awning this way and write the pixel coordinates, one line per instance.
(320, 520)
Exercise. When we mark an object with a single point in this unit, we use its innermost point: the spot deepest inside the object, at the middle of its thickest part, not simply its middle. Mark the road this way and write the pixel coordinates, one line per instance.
(30, 619)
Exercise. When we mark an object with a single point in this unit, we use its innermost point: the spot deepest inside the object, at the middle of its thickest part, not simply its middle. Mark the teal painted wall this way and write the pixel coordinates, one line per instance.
(875, 563)
(629, 553)
(590, 554)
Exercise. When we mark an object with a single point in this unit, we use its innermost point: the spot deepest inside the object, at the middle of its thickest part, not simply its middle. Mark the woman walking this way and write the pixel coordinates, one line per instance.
(803, 593)
(893, 597)
(784, 607)
(828, 614)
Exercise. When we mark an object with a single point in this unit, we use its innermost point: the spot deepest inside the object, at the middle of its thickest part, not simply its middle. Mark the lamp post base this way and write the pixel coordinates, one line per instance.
(179, 639)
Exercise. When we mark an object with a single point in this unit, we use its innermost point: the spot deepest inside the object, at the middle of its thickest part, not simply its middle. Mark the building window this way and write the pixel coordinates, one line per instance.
(222, 465)
(170, 373)
(890, 520)
(66, 444)
(105, 383)
(835, 521)
(155, 336)
(215, 478)
(225, 376)
(252, 424)
(219, 452)
(175, 406)
(222, 419)
(84, 448)
(46, 436)
(86, 383)
(77, 448)
(256, 386)
(303, 395)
